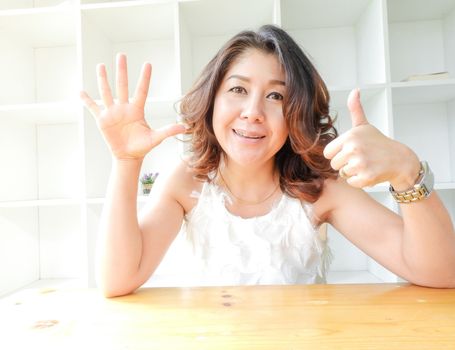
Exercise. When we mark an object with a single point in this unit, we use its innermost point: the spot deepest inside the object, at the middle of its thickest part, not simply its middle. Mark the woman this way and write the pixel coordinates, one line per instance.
(262, 177)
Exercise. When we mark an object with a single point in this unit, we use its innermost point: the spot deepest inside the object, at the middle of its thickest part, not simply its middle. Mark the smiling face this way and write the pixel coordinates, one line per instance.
(248, 116)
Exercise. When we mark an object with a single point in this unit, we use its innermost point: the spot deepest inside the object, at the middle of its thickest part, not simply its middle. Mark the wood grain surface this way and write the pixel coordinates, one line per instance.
(371, 316)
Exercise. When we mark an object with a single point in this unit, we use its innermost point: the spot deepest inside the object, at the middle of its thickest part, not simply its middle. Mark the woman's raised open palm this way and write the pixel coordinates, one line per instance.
(123, 123)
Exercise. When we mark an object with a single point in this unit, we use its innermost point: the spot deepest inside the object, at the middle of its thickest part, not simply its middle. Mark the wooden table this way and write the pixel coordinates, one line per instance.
(374, 316)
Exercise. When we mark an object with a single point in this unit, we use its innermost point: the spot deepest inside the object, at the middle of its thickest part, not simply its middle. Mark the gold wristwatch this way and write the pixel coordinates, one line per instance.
(421, 190)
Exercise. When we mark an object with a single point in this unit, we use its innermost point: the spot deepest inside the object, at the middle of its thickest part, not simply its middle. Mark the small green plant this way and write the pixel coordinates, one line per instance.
(148, 178)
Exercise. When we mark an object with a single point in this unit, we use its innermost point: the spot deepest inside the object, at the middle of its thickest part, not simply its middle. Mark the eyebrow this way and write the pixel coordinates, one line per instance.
(241, 77)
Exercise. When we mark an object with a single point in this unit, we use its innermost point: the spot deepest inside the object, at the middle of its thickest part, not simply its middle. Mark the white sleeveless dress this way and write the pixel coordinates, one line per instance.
(281, 247)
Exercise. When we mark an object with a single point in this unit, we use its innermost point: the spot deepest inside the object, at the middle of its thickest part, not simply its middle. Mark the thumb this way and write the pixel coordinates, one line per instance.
(355, 109)
(167, 131)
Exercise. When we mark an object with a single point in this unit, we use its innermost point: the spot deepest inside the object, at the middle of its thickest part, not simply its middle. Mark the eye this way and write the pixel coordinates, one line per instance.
(238, 90)
(275, 96)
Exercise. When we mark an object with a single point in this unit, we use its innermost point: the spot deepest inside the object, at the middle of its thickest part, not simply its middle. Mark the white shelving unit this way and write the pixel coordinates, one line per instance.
(56, 164)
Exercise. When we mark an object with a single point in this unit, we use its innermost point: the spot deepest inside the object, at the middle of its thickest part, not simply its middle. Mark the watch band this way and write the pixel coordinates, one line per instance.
(421, 190)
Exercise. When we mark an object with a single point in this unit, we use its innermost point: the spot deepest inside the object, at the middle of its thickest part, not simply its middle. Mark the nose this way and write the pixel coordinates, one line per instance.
(253, 110)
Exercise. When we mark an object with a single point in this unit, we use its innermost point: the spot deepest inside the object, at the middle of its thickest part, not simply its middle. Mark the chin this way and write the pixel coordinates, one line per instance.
(248, 160)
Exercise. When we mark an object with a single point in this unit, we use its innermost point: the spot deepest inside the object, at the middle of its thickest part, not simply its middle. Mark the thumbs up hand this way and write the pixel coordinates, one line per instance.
(365, 157)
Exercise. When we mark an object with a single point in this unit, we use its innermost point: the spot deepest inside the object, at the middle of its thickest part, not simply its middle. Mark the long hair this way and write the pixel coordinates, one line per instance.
(301, 163)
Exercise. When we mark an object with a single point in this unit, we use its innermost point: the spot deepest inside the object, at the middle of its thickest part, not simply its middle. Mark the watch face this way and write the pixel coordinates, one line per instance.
(428, 179)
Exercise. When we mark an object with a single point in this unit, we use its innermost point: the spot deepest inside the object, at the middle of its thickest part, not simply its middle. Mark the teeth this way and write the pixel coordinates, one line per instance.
(246, 135)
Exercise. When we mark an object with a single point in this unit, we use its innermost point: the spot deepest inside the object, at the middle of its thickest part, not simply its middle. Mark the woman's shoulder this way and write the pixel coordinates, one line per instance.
(181, 183)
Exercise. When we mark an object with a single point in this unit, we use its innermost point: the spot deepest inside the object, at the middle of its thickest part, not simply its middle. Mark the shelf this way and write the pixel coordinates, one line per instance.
(53, 186)
(429, 105)
(107, 20)
(421, 37)
(38, 63)
(39, 245)
(339, 15)
(40, 203)
(158, 113)
(100, 4)
(19, 248)
(423, 91)
(43, 28)
(42, 113)
(375, 103)
(339, 95)
(8, 7)
(430, 109)
(19, 178)
(62, 249)
(45, 163)
(206, 25)
(97, 158)
(95, 200)
(352, 35)
(424, 83)
(418, 10)
(214, 17)
(149, 37)
(101, 200)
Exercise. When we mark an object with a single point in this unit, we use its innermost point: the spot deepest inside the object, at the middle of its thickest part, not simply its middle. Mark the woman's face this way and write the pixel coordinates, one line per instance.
(248, 111)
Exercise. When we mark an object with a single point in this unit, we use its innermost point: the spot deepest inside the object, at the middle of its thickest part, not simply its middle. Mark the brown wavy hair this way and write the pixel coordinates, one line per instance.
(300, 162)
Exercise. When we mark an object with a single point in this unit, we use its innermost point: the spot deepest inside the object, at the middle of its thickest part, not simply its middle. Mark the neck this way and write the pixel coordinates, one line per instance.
(249, 185)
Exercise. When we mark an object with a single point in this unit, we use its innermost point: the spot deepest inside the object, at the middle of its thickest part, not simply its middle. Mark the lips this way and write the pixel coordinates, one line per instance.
(248, 134)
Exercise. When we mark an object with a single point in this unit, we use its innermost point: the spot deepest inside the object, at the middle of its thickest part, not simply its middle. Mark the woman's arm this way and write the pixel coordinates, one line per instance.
(122, 251)
(419, 245)
(119, 243)
(130, 249)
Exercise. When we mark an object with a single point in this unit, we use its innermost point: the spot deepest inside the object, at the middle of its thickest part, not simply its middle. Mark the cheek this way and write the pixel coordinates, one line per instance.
(223, 114)
(282, 139)
(216, 116)
(218, 111)
(281, 130)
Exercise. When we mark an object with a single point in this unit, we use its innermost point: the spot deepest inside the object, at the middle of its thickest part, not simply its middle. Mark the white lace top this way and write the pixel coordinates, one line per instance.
(281, 247)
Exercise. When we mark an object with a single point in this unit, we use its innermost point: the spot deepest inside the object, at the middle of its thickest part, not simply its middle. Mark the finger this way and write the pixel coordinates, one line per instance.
(356, 181)
(103, 85)
(142, 88)
(355, 109)
(122, 78)
(339, 160)
(335, 146)
(349, 170)
(343, 174)
(168, 131)
(93, 108)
